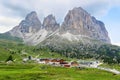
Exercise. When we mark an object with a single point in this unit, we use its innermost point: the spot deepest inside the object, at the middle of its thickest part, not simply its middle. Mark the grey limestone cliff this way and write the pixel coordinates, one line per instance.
(79, 22)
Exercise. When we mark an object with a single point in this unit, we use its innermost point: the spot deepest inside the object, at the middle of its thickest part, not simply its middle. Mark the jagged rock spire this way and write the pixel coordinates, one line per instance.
(50, 23)
(77, 25)
(31, 23)
(79, 22)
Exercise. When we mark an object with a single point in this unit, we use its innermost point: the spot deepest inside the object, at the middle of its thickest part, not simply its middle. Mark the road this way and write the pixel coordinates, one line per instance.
(110, 70)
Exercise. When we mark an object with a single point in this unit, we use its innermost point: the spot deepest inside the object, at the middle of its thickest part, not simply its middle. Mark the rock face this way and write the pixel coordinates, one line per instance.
(31, 24)
(79, 22)
(78, 25)
(50, 23)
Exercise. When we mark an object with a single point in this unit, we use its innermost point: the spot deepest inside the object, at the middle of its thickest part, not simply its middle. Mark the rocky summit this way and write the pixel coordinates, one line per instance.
(79, 22)
(50, 23)
(77, 26)
(31, 24)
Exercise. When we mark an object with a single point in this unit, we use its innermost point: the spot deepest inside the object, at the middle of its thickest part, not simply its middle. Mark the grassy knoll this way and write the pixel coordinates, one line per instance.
(45, 72)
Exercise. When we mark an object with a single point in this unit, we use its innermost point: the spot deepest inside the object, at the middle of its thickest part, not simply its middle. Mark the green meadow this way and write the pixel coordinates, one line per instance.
(46, 72)
(33, 71)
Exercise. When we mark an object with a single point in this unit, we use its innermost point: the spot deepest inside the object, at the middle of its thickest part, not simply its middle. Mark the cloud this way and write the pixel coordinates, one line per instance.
(9, 20)
(98, 8)
(57, 7)
(13, 8)
(4, 28)
(20, 8)
(54, 6)
(117, 43)
(7, 23)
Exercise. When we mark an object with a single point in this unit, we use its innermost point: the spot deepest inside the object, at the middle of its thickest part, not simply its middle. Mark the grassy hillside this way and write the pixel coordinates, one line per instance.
(20, 51)
(108, 53)
(46, 72)
(85, 48)
(7, 36)
(33, 71)
(57, 47)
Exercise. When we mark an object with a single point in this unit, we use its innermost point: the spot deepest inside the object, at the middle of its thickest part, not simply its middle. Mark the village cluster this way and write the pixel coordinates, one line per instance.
(64, 63)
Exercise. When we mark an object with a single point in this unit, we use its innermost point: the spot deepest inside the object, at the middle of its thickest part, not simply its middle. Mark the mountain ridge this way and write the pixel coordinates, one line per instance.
(80, 36)
(77, 24)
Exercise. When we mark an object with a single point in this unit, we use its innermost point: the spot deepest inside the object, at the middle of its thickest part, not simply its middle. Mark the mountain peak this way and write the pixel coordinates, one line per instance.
(31, 24)
(77, 25)
(50, 23)
(79, 9)
(31, 15)
(50, 16)
(80, 22)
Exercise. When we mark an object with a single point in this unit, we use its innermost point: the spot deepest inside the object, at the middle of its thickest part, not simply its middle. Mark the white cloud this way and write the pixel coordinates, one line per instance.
(19, 8)
(4, 28)
(117, 43)
(56, 7)
(13, 11)
(7, 23)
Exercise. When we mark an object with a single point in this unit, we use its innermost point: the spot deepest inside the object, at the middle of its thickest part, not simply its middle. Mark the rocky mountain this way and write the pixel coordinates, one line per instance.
(78, 26)
(50, 23)
(31, 24)
(79, 22)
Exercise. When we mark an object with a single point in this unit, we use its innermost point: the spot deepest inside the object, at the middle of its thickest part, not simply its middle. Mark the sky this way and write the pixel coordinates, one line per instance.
(108, 11)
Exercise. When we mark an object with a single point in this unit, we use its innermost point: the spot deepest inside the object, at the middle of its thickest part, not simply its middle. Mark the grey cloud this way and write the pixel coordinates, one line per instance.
(98, 9)
(58, 8)
(20, 8)
(16, 10)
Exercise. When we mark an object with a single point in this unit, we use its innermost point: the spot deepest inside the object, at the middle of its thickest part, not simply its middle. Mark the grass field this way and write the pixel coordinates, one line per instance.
(46, 72)
(33, 71)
